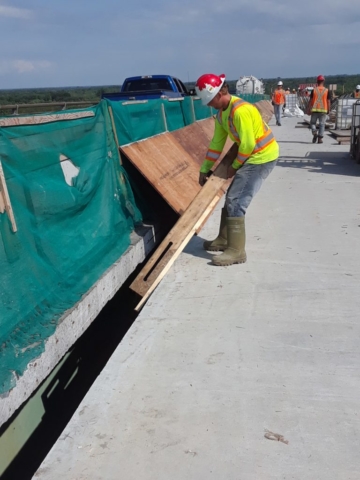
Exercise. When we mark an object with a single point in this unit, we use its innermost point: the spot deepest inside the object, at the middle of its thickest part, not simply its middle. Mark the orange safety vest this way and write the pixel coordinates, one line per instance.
(279, 97)
(319, 100)
(357, 94)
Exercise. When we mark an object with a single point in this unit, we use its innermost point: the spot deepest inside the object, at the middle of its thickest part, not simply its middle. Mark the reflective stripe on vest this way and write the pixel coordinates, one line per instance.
(261, 142)
(212, 155)
(319, 100)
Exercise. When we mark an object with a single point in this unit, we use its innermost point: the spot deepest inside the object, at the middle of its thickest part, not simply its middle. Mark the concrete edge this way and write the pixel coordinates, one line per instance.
(76, 320)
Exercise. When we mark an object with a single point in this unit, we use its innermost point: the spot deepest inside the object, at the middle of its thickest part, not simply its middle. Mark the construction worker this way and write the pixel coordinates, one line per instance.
(279, 101)
(287, 91)
(257, 155)
(356, 94)
(319, 106)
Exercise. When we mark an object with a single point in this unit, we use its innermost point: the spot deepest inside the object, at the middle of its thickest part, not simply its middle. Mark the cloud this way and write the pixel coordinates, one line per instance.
(24, 66)
(13, 12)
(265, 38)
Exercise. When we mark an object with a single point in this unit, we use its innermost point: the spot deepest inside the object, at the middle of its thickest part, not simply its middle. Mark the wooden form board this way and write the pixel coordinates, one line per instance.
(171, 161)
(37, 119)
(176, 240)
(266, 110)
(5, 204)
(168, 168)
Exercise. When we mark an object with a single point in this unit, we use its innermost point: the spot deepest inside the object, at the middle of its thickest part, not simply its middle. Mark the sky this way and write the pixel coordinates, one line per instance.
(55, 43)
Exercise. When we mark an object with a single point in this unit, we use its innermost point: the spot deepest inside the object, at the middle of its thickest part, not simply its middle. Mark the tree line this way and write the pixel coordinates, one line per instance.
(52, 95)
(345, 84)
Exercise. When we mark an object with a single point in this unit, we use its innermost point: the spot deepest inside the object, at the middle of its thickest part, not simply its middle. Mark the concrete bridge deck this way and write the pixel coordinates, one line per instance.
(220, 355)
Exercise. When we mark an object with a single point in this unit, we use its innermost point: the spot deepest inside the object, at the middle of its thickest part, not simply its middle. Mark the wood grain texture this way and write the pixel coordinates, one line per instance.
(266, 110)
(168, 166)
(38, 119)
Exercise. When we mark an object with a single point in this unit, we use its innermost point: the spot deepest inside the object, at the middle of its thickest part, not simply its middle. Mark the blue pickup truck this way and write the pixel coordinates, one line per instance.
(149, 87)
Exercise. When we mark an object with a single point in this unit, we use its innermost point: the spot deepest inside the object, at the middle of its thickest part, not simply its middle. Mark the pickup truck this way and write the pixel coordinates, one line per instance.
(149, 87)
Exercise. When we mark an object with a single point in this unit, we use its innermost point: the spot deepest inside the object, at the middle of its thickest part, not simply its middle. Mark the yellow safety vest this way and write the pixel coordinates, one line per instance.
(243, 123)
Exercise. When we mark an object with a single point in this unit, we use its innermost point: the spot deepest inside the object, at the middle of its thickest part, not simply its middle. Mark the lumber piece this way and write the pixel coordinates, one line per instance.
(5, 204)
(176, 240)
(38, 119)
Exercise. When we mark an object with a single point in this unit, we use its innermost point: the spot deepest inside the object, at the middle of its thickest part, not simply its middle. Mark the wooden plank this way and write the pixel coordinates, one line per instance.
(340, 133)
(6, 199)
(173, 244)
(38, 119)
(114, 132)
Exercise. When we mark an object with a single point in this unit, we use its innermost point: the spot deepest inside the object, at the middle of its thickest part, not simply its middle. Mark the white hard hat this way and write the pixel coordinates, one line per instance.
(357, 87)
(280, 83)
(208, 86)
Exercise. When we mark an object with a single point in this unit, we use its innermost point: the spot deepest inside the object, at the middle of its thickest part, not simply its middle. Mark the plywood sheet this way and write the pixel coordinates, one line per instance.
(170, 166)
(266, 110)
(195, 140)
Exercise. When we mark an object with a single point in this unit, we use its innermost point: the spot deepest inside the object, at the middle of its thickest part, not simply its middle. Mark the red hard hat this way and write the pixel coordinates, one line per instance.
(320, 78)
(208, 86)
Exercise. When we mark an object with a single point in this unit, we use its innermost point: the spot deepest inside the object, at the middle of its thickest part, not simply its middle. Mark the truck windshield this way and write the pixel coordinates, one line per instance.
(142, 84)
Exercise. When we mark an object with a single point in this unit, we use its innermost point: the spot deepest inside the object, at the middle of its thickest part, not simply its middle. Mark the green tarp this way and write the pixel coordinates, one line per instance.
(68, 235)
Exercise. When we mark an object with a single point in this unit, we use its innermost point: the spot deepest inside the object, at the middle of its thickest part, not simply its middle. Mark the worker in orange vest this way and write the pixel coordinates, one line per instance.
(319, 106)
(356, 94)
(278, 101)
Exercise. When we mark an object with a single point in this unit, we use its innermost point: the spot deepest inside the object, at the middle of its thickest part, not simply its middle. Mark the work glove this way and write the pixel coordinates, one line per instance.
(202, 178)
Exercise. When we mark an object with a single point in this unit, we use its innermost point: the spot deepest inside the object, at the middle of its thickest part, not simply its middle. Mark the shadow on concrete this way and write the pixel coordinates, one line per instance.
(86, 359)
(195, 248)
(332, 163)
(291, 141)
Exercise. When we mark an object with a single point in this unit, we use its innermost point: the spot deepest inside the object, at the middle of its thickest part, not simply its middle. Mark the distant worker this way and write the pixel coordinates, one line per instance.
(258, 152)
(287, 91)
(356, 94)
(319, 106)
(279, 101)
(293, 91)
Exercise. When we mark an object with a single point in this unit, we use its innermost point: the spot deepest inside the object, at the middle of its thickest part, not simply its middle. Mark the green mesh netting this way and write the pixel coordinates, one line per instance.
(254, 97)
(143, 119)
(67, 235)
(139, 120)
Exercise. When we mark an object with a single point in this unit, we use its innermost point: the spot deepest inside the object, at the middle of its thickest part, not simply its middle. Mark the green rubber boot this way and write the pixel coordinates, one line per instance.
(220, 242)
(235, 251)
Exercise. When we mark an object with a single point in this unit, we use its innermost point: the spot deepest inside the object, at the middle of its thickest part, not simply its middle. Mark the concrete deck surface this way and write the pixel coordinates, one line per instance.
(219, 355)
